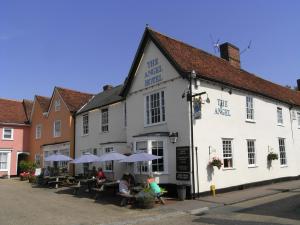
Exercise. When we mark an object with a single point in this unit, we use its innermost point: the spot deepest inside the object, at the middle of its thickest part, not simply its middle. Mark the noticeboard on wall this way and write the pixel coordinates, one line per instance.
(183, 163)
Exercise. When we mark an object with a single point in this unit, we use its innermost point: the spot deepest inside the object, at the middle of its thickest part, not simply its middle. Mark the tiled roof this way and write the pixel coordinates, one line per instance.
(103, 98)
(28, 105)
(44, 102)
(74, 99)
(12, 111)
(186, 58)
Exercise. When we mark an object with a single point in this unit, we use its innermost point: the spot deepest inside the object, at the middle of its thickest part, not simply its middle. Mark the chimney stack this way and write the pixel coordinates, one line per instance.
(107, 87)
(298, 85)
(231, 53)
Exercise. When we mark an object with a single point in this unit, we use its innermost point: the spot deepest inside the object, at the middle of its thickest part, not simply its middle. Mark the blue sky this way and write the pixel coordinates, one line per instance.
(83, 45)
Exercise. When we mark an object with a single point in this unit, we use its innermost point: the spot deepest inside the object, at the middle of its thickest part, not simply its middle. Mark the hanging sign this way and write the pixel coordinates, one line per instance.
(222, 108)
(197, 108)
(153, 74)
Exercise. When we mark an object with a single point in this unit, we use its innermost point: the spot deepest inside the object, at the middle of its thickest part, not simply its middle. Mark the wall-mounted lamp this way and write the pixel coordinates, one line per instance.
(173, 137)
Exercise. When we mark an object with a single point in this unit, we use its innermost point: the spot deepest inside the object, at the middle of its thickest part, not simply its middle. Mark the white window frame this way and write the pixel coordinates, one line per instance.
(85, 124)
(148, 111)
(282, 151)
(279, 116)
(11, 136)
(38, 131)
(250, 108)
(298, 119)
(108, 163)
(232, 153)
(249, 148)
(149, 150)
(7, 169)
(56, 134)
(104, 124)
(57, 105)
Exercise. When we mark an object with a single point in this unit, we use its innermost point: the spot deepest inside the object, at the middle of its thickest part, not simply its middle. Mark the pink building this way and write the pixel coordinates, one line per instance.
(14, 134)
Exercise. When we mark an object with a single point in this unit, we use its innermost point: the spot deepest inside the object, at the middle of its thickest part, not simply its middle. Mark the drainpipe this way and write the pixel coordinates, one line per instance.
(190, 99)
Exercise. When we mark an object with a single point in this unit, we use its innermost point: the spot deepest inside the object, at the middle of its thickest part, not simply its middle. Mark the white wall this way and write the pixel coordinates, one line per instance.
(96, 138)
(211, 128)
(176, 108)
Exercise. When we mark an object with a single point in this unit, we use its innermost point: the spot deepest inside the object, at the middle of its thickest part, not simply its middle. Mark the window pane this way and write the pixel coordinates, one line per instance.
(251, 152)
(282, 152)
(157, 149)
(85, 124)
(104, 120)
(3, 160)
(7, 133)
(279, 115)
(249, 108)
(227, 153)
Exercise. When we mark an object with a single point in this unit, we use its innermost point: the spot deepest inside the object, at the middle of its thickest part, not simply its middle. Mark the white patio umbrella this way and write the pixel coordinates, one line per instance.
(86, 158)
(112, 156)
(57, 157)
(140, 157)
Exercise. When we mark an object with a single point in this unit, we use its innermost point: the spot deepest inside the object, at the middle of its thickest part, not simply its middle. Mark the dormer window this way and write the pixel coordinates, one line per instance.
(57, 105)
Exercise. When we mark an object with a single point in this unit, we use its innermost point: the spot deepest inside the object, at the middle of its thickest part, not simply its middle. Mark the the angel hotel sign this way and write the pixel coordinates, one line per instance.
(153, 73)
(222, 108)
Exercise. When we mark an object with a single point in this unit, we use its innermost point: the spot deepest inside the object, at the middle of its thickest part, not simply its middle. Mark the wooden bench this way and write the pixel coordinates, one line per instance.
(126, 198)
(97, 190)
(54, 183)
(75, 188)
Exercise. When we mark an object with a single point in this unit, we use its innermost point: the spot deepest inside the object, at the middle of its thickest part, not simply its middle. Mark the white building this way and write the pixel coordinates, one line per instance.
(236, 116)
(100, 128)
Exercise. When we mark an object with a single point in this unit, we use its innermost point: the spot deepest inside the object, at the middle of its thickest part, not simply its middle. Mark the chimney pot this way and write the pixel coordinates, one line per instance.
(231, 53)
(298, 84)
(107, 87)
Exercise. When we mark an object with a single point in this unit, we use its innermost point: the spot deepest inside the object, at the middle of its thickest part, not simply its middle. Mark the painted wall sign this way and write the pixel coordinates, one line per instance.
(222, 108)
(183, 176)
(153, 74)
(183, 159)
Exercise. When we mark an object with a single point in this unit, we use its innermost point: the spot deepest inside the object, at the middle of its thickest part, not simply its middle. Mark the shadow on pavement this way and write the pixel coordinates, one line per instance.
(231, 222)
(285, 208)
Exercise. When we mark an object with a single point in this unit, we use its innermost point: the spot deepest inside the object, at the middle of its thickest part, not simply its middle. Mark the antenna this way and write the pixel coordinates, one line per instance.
(215, 44)
(247, 48)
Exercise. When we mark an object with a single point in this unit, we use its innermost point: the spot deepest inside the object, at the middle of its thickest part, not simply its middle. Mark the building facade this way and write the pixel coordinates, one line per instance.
(52, 124)
(234, 116)
(14, 135)
(190, 107)
(101, 128)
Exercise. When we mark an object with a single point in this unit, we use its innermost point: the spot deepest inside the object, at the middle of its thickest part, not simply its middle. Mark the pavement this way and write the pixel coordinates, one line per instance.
(33, 206)
(203, 204)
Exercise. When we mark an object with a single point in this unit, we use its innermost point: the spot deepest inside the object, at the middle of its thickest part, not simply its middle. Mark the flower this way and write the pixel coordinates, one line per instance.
(216, 162)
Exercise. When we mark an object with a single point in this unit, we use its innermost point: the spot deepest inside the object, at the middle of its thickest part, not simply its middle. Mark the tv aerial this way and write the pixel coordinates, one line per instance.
(215, 44)
(247, 48)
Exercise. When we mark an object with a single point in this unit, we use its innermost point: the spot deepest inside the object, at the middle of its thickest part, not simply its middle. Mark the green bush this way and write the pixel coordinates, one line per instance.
(27, 166)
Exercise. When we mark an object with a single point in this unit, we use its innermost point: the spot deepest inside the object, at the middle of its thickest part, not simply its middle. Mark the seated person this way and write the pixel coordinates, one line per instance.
(155, 189)
(131, 180)
(124, 185)
(47, 172)
(100, 177)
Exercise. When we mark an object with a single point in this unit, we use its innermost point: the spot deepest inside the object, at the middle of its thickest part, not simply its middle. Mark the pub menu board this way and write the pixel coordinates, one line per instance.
(183, 163)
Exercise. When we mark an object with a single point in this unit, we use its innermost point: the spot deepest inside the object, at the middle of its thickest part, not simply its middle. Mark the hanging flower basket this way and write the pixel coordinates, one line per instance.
(272, 156)
(216, 162)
